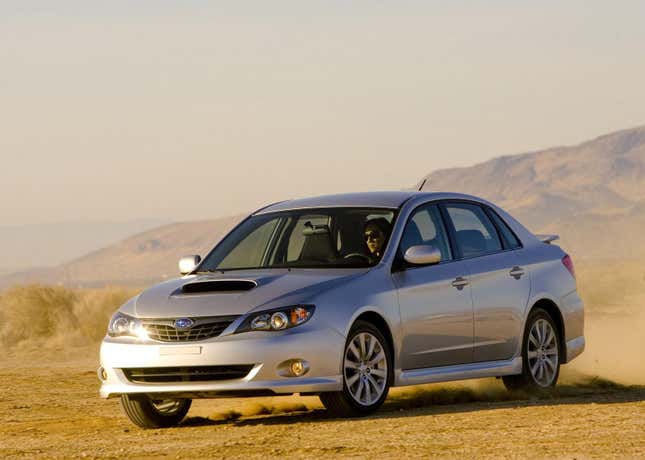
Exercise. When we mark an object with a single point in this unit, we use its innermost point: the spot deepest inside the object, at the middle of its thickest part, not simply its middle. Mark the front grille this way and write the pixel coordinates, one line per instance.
(163, 332)
(186, 374)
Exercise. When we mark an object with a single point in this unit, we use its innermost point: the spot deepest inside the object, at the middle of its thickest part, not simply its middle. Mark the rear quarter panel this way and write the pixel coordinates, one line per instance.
(551, 280)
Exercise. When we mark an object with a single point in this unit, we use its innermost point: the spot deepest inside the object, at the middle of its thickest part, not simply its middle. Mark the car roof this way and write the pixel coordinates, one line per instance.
(388, 199)
(392, 199)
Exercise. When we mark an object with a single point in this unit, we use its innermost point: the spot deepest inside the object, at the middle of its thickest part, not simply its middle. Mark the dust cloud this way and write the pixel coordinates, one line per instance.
(614, 348)
(614, 296)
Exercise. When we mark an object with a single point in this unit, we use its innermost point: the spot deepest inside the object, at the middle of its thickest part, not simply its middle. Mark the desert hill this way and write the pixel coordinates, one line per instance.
(141, 259)
(25, 246)
(604, 175)
(592, 194)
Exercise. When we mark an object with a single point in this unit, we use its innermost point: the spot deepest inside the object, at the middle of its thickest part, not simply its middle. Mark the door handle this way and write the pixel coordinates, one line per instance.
(460, 282)
(516, 272)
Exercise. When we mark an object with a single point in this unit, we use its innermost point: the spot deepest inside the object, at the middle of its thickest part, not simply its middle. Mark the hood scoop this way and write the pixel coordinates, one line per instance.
(199, 287)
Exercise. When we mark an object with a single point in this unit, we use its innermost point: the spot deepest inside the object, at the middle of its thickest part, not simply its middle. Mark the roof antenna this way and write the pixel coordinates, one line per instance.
(422, 184)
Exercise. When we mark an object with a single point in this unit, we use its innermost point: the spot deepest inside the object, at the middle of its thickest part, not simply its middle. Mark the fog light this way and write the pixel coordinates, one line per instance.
(297, 368)
(102, 374)
(293, 368)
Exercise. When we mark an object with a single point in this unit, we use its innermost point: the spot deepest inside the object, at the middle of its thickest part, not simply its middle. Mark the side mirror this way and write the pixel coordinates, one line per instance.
(424, 254)
(188, 263)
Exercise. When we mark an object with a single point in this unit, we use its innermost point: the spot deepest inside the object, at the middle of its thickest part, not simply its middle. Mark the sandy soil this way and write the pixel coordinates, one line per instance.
(51, 409)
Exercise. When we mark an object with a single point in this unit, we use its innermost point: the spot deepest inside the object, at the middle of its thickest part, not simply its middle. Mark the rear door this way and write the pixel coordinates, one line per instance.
(499, 284)
(435, 301)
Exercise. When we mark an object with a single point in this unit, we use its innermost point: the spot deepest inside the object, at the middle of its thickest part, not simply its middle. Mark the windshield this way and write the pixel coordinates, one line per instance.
(305, 238)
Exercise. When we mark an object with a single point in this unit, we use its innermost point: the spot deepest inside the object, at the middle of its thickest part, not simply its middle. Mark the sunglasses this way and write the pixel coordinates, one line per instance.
(373, 235)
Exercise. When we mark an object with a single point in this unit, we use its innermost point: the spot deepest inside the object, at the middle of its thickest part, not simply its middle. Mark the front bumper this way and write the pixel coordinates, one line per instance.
(322, 349)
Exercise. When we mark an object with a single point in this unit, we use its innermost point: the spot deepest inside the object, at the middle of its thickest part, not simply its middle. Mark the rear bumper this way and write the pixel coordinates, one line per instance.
(321, 349)
(575, 347)
(573, 312)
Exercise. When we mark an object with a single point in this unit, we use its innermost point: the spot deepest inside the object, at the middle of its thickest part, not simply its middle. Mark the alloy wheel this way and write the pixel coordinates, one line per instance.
(365, 368)
(542, 352)
(167, 406)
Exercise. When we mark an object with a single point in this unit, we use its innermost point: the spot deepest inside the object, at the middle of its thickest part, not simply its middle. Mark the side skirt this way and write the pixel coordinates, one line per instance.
(458, 372)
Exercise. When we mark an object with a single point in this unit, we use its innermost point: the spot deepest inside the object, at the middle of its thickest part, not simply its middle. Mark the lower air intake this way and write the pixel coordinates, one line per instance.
(186, 374)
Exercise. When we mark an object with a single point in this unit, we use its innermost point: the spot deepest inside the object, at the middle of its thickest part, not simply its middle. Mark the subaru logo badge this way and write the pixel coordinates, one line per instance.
(184, 323)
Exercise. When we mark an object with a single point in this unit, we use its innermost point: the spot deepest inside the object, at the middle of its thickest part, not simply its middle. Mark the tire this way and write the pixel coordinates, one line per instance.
(366, 376)
(541, 355)
(148, 413)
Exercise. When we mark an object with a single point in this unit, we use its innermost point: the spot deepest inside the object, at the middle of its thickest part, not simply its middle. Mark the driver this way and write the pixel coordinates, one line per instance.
(376, 232)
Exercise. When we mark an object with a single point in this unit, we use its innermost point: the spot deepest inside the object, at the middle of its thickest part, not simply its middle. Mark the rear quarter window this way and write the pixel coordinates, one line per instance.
(510, 240)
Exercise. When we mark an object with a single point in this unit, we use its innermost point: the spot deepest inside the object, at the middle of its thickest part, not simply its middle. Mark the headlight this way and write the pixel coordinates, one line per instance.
(122, 325)
(277, 319)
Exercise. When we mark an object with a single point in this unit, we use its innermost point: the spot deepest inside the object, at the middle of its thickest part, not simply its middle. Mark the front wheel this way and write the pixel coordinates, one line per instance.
(540, 355)
(367, 373)
(154, 413)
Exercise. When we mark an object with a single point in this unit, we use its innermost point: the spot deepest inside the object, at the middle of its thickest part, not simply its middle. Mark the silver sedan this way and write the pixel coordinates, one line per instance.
(343, 297)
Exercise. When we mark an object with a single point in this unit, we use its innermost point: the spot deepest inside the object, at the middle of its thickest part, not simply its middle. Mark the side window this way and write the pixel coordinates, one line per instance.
(426, 227)
(297, 240)
(510, 240)
(476, 234)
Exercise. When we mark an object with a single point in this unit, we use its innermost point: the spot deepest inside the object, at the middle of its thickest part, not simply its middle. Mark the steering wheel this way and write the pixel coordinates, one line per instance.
(367, 258)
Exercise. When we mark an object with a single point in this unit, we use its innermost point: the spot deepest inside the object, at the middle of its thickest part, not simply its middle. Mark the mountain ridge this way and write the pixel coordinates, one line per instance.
(591, 193)
(137, 260)
(605, 174)
(627, 131)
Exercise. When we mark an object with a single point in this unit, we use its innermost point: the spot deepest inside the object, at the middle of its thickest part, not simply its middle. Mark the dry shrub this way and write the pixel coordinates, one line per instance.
(39, 314)
(34, 312)
(95, 308)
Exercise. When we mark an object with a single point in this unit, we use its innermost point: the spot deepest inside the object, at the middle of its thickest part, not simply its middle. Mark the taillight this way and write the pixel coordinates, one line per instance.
(568, 263)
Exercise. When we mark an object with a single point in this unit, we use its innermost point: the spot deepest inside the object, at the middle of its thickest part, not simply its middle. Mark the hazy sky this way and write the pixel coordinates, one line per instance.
(118, 110)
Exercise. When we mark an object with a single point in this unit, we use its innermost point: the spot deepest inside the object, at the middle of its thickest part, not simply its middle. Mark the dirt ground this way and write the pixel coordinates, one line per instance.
(51, 409)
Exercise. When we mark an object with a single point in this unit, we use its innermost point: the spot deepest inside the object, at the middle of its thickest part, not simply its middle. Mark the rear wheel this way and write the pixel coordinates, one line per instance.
(154, 413)
(540, 355)
(367, 373)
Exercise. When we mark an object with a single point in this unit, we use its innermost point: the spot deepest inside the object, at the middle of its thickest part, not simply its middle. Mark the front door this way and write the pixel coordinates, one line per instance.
(435, 301)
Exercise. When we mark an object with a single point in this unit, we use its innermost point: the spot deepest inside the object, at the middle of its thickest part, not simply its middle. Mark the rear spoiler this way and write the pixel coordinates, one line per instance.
(548, 239)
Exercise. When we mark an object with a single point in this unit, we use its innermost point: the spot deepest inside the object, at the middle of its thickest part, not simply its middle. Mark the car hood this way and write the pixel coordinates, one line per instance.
(237, 292)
